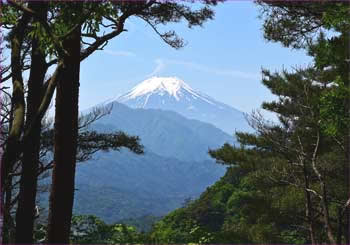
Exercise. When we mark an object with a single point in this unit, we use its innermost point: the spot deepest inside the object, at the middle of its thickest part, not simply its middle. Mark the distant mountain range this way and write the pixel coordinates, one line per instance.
(171, 120)
(172, 93)
(165, 133)
(175, 166)
(122, 185)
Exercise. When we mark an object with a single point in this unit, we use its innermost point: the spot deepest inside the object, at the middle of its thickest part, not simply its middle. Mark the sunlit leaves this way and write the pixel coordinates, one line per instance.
(9, 16)
(335, 117)
(337, 16)
(91, 229)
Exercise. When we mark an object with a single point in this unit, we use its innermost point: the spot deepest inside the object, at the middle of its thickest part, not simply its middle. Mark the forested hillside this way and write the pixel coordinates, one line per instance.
(288, 180)
(117, 175)
(233, 209)
(130, 185)
(123, 185)
(165, 132)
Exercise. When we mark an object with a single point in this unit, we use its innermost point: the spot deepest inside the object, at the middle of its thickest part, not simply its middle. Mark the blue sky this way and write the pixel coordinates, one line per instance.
(223, 59)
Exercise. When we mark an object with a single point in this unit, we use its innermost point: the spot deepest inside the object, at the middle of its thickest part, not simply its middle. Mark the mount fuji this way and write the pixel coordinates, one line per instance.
(176, 164)
(172, 93)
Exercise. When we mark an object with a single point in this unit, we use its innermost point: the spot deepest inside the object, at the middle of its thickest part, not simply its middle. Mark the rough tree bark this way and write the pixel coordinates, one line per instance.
(65, 143)
(1, 194)
(18, 110)
(324, 194)
(347, 145)
(308, 205)
(25, 214)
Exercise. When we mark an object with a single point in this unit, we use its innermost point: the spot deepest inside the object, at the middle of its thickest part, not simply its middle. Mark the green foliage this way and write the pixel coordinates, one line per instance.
(246, 215)
(90, 229)
(322, 29)
(9, 16)
(333, 109)
(91, 16)
(264, 195)
(40, 231)
(329, 53)
(336, 17)
(189, 231)
(142, 223)
(296, 24)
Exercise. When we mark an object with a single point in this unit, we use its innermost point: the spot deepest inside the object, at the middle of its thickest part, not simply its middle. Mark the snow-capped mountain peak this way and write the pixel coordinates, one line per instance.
(171, 85)
(172, 93)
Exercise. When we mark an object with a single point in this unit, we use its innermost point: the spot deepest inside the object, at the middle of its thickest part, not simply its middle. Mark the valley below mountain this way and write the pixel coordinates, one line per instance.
(175, 166)
(129, 186)
(172, 124)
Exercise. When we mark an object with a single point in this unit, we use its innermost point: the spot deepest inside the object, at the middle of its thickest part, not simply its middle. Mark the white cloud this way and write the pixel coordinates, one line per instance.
(160, 65)
(163, 63)
(119, 53)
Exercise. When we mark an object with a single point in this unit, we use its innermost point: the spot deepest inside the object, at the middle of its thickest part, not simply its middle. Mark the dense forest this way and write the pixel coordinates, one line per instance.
(286, 182)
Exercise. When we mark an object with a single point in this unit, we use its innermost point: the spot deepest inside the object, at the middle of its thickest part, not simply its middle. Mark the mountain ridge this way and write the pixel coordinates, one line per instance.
(175, 166)
(172, 93)
(173, 130)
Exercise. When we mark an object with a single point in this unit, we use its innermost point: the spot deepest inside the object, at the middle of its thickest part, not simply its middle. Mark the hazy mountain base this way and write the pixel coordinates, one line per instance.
(166, 133)
(122, 185)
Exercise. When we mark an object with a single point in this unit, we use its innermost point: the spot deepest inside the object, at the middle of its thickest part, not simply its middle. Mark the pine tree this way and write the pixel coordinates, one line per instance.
(296, 24)
(297, 153)
(52, 34)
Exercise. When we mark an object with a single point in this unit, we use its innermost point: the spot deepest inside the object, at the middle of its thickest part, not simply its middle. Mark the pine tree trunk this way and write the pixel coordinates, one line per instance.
(340, 226)
(1, 131)
(326, 218)
(324, 196)
(17, 109)
(308, 206)
(65, 144)
(347, 150)
(25, 214)
(9, 224)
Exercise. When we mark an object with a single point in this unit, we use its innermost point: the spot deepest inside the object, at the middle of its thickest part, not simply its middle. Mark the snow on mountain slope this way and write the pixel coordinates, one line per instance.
(172, 86)
(172, 93)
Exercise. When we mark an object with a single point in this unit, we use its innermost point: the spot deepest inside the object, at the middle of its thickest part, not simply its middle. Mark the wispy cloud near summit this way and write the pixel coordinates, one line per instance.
(162, 64)
(119, 53)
